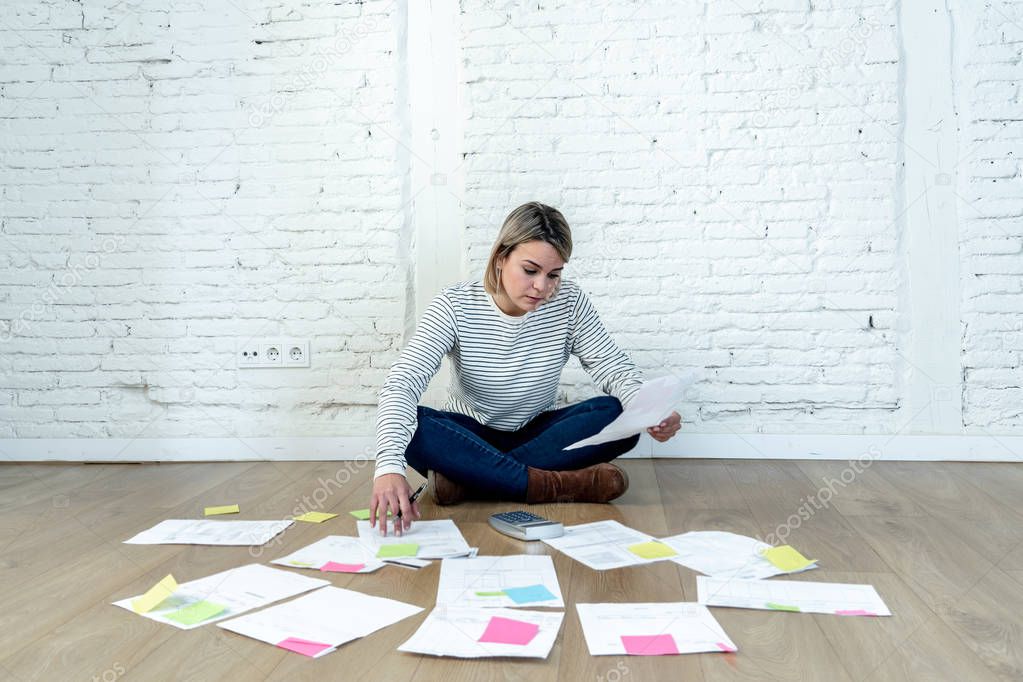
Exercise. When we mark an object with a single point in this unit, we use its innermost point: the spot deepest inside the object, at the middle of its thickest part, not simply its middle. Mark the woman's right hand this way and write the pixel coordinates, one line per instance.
(390, 494)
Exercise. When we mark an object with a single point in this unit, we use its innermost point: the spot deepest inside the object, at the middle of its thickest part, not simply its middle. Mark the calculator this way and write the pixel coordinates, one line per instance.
(523, 525)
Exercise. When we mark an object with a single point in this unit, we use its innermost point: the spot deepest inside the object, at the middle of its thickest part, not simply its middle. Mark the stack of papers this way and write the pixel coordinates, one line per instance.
(424, 540)
(608, 544)
(226, 594)
(468, 632)
(788, 595)
(727, 555)
(334, 553)
(203, 532)
(499, 581)
(318, 623)
(651, 629)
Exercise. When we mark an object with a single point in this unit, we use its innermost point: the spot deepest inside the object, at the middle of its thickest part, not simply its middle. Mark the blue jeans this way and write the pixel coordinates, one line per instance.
(494, 462)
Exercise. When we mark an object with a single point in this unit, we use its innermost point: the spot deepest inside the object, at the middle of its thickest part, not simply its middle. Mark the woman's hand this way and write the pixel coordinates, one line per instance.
(667, 428)
(390, 494)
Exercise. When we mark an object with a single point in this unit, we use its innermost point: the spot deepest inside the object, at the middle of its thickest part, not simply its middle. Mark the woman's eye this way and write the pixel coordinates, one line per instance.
(554, 276)
(530, 272)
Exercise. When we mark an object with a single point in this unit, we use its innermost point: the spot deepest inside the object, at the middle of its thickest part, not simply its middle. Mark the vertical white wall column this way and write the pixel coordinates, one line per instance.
(929, 334)
(438, 216)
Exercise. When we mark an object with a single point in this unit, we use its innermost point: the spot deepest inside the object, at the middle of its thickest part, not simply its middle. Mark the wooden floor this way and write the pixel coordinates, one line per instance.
(941, 542)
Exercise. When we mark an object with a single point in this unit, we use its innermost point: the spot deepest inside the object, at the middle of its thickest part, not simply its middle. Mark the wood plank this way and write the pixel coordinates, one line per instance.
(927, 535)
(937, 565)
(987, 526)
(781, 499)
(858, 491)
(988, 618)
(932, 652)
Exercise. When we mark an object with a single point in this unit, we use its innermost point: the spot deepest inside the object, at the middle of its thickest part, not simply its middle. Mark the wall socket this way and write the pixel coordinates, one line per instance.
(263, 353)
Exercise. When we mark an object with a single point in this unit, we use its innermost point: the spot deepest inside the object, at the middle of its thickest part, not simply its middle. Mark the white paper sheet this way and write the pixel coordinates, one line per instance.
(461, 581)
(238, 589)
(340, 549)
(436, 539)
(207, 532)
(332, 615)
(455, 631)
(789, 595)
(657, 399)
(724, 555)
(692, 627)
(601, 545)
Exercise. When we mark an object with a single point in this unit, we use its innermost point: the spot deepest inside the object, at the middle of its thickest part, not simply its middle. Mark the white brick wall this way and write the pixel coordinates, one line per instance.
(177, 179)
(991, 215)
(728, 174)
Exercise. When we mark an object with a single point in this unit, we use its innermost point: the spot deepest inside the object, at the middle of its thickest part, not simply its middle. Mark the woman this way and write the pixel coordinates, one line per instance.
(508, 338)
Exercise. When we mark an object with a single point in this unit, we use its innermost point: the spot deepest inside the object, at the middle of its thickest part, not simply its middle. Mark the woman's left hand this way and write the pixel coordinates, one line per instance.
(667, 428)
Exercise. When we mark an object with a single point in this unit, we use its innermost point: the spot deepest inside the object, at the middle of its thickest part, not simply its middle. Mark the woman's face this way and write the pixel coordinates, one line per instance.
(529, 274)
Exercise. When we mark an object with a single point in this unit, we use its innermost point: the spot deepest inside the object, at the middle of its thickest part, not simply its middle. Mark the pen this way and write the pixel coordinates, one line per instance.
(414, 496)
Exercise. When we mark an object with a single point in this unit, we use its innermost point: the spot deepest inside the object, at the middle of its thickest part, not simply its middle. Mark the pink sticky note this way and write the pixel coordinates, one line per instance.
(303, 646)
(725, 647)
(854, 612)
(507, 631)
(649, 645)
(335, 567)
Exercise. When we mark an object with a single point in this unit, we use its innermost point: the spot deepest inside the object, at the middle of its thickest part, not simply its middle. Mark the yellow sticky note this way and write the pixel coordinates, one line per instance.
(156, 594)
(315, 517)
(787, 558)
(226, 509)
(363, 514)
(652, 550)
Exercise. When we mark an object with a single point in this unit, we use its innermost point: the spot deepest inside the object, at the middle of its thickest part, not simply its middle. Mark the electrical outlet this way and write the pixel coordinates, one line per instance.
(295, 353)
(269, 353)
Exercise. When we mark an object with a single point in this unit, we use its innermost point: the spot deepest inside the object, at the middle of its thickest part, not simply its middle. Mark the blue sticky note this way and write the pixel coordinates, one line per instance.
(524, 595)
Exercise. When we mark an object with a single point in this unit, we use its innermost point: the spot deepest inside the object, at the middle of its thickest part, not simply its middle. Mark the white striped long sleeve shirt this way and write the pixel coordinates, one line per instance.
(506, 369)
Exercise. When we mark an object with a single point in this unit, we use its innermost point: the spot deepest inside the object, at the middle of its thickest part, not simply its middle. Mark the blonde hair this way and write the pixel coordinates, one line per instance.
(529, 222)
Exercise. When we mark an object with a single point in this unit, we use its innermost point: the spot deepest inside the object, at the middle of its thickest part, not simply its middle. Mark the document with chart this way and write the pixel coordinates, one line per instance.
(432, 539)
(499, 581)
(789, 595)
(317, 623)
(608, 544)
(205, 532)
(225, 594)
(651, 629)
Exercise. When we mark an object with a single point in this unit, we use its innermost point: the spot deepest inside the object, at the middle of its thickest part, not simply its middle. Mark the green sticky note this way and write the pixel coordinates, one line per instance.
(195, 613)
(781, 607)
(652, 550)
(499, 593)
(399, 550)
(363, 514)
(787, 558)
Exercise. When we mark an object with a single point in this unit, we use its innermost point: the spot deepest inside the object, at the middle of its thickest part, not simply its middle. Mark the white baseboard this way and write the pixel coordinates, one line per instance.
(964, 448)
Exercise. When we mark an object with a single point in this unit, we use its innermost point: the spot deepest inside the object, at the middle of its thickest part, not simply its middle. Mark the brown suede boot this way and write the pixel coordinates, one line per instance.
(597, 483)
(444, 490)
